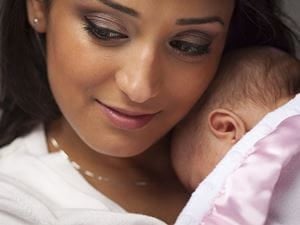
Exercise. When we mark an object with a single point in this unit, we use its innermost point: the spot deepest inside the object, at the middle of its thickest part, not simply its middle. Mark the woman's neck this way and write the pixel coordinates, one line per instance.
(153, 166)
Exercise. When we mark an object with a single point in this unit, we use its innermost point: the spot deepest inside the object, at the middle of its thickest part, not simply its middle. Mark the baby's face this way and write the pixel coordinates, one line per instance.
(194, 153)
(199, 143)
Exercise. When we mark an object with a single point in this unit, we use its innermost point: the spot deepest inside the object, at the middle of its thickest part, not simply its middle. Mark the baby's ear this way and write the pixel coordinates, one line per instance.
(226, 125)
(37, 15)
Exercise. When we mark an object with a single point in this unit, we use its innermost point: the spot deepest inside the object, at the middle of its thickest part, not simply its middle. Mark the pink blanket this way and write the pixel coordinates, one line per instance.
(257, 182)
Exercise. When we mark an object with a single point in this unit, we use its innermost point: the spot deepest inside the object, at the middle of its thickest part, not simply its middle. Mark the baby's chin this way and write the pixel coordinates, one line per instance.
(190, 184)
(199, 170)
(189, 174)
(194, 182)
(189, 178)
(182, 170)
(182, 153)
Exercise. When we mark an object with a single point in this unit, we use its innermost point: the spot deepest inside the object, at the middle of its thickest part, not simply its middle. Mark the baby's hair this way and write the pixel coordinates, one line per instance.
(260, 75)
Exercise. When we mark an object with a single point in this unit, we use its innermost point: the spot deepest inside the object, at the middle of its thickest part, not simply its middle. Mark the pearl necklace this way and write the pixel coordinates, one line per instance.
(88, 173)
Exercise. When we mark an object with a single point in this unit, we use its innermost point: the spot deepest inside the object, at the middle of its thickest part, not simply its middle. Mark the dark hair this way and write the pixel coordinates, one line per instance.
(261, 23)
(260, 76)
(25, 96)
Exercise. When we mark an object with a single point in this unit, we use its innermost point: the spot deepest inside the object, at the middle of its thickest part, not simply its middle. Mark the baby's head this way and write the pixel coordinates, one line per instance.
(250, 83)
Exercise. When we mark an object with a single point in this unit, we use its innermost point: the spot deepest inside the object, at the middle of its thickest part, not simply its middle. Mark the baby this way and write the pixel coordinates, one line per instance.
(241, 161)
(249, 84)
(225, 149)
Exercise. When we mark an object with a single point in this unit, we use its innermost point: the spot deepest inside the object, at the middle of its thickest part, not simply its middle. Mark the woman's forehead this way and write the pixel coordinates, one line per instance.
(142, 6)
(157, 9)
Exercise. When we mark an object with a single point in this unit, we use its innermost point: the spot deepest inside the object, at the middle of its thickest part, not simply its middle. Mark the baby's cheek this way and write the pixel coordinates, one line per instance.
(203, 163)
(182, 160)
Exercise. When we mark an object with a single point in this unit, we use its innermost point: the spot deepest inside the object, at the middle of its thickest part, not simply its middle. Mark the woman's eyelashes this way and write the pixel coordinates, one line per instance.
(103, 29)
(190, 44)
(189, 49)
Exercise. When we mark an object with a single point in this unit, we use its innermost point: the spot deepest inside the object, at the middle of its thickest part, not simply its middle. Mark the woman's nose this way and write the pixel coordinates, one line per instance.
(140, 78)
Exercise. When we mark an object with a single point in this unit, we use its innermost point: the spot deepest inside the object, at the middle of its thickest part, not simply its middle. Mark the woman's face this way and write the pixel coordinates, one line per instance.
(124, 72)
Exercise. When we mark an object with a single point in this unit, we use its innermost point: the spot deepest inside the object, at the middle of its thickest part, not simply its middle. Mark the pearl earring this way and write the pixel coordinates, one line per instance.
(35, 20)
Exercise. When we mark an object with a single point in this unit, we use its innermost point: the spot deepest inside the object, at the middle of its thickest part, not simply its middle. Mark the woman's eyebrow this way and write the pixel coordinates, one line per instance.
(182, 21)
(120, 7)
(201, 20)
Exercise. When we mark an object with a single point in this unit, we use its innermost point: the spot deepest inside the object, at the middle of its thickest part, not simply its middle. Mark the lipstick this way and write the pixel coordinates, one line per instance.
(124, 119)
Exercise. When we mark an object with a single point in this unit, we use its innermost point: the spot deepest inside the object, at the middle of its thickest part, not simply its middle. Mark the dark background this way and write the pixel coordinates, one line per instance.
(292, 8)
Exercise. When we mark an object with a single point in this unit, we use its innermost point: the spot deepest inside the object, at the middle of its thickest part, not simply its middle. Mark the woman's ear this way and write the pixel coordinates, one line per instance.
(37, 15)
(226, 125)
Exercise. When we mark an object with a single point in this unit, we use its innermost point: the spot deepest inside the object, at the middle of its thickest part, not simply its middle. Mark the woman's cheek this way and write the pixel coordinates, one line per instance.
(189, 85)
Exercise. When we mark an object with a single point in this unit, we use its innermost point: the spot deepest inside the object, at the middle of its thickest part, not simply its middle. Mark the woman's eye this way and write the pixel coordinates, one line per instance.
(189, 49)
(191, 43)
(102, 32)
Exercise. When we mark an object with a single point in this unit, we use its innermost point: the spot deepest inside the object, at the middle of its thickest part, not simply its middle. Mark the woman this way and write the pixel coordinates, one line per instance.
(98, 84)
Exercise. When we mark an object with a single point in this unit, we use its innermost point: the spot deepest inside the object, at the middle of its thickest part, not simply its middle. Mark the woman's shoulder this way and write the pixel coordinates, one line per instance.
(28, 161)
(42, 188)
(20, 205)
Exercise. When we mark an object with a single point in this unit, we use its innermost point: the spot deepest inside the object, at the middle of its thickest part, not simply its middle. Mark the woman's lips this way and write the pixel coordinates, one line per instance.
(127, 120)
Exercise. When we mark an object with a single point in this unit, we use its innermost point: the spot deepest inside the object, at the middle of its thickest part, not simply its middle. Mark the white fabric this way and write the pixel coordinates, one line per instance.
(39, 188)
